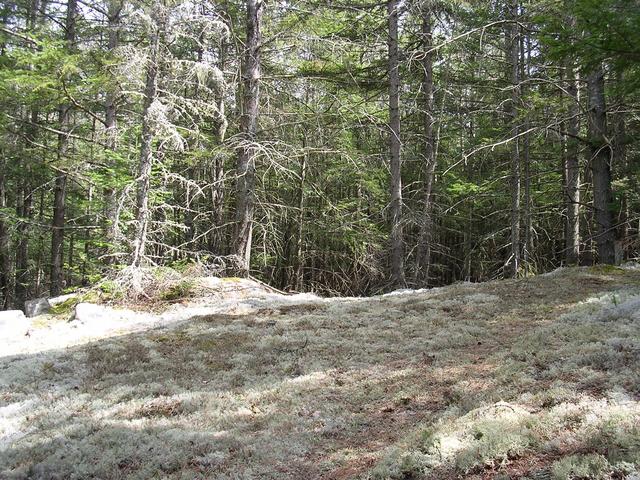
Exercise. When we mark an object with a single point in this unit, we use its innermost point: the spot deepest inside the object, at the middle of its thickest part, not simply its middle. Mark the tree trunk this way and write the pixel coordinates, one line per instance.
(525, 74)
(24, 198)
(245, 169)
(60, 189)
(514, 74)
(216, 242)
(5, 256)
(572, 171)
(299, 263)
(601, 155)
(57, 235)
(425, 239)
(111, 127)
(621, 162)
(396, 238)
(146, 144)
(24, 211)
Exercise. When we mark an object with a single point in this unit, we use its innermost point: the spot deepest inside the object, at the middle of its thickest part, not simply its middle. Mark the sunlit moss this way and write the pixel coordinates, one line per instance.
(412, 385)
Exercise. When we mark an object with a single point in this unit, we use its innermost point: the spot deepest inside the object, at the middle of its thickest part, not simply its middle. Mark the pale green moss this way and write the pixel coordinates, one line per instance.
(592, 467)
(607, 270)
(493, 443)
(178, 291)
(66, 307)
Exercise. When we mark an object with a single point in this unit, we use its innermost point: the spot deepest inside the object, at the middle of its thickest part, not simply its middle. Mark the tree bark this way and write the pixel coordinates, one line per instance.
(146, 143)
(396, 237)
(245, 168)
(111, 130)
(24, 211)
(60, 189)
(217, 244)
(525, 74)
(216, 239)
(57, 234)
(5, 256)
(24, 198)
(621, 162)
(299, 263)
(572, 171)
(601, 155)
(425, 239)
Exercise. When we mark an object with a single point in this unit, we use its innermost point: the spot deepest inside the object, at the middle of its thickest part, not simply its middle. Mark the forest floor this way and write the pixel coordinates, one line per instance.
(536, 378)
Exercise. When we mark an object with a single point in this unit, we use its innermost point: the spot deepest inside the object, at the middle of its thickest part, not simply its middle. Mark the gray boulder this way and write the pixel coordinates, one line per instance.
(39, 306)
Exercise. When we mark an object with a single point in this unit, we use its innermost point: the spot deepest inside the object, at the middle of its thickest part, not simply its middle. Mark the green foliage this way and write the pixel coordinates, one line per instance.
(604, 31)
(108, 287)
(325, 100)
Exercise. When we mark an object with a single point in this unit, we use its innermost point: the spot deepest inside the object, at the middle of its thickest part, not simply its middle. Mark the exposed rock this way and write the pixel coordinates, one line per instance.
(12, 322)
(89, 312)
(62, 298)
(38, 306)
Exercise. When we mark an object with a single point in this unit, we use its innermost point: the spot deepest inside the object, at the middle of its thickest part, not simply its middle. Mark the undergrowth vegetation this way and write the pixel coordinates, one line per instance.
(133, 286)
(530, 379)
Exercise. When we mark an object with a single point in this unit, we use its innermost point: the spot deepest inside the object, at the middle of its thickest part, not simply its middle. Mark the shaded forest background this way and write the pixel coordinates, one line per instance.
(331, 146)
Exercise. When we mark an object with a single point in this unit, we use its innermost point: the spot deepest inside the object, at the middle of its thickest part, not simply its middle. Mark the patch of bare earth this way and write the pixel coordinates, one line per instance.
(340, 389)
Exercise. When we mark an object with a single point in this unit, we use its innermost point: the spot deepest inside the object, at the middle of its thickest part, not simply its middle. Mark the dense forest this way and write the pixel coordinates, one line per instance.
(318, 145)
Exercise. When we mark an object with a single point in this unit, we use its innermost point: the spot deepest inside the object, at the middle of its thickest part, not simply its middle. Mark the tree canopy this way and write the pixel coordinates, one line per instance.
(338, 147)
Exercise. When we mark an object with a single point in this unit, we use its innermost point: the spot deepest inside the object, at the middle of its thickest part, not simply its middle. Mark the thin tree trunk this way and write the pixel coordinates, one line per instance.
(217, 201)
(111, 127)
(5, 256)
(60, 189)
(71, 252)
(24, 199)
(525, 73)
(425, 239)
(221, 115)
(601, 155)
(217, 189)
(572, 171)
(57, 235)
(299, 264)
(396, 239)
(24, 211)
(146, 143)
(245, 169)
(621, 162)
(513, 62)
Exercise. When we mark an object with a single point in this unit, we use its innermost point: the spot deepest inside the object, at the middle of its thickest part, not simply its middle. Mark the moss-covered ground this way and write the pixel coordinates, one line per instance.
(532, 378)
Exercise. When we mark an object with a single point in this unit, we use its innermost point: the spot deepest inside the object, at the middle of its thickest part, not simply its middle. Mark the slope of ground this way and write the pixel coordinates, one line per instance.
(535, 378)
